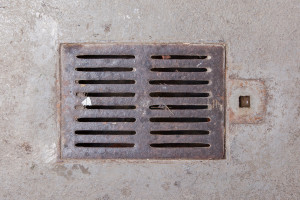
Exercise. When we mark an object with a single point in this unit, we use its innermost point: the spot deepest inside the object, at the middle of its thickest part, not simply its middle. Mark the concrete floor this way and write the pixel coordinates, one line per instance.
(263, 42)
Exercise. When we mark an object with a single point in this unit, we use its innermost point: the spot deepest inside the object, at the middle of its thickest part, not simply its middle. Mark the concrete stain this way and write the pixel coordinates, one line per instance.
(107, 28)
(26, 147)
(126, 191)
(84, 170)
(33, 166)
(63, 171)
(105, 197)
(177, 183)
(166, 186)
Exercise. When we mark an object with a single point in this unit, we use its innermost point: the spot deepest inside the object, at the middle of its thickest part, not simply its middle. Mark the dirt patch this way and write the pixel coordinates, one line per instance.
(107, 28)
(26, 147)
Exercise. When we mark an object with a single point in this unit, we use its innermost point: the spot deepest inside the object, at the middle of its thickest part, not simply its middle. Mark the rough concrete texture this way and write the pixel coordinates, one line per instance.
(262, 39)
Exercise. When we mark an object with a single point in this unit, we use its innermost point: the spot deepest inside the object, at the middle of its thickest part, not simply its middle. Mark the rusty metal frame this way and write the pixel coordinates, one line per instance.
(146, 145)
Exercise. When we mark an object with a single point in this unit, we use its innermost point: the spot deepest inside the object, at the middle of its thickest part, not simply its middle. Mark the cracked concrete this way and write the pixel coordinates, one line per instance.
(262, 40)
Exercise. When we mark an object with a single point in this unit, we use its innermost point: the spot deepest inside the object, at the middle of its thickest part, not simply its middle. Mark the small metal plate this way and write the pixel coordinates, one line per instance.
(142, 101)
(256, 110)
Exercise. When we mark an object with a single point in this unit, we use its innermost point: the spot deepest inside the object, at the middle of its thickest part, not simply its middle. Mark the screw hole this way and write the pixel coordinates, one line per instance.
(244, 101)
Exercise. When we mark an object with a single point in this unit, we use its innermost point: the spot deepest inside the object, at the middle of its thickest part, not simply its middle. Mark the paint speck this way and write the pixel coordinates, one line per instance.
(87, 102)
(136, 11)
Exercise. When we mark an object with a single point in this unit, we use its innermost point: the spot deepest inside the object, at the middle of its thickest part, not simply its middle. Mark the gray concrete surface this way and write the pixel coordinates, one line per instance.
(263, 41)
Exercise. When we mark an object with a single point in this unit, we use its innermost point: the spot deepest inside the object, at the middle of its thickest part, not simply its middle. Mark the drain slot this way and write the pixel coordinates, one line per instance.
(179, 145)
(113, 107)
(105, 69)
(105, 145)
(105, 94)
(177, 82)
(105, 81)
(97, 132)
(180, 132)
(178, 107)
(178, 94)
(105, 56)
(105, 119)
(165, 57)
(177, 69)
(179, 120)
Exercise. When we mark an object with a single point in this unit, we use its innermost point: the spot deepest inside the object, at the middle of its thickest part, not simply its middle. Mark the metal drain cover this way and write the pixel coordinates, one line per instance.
(139, 101)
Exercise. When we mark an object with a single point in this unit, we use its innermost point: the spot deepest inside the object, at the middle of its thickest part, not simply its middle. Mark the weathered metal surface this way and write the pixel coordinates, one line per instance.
(118, 102)
(256, 91)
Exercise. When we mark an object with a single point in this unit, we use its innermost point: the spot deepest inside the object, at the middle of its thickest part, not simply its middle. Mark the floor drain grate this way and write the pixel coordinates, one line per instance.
(140, 101)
